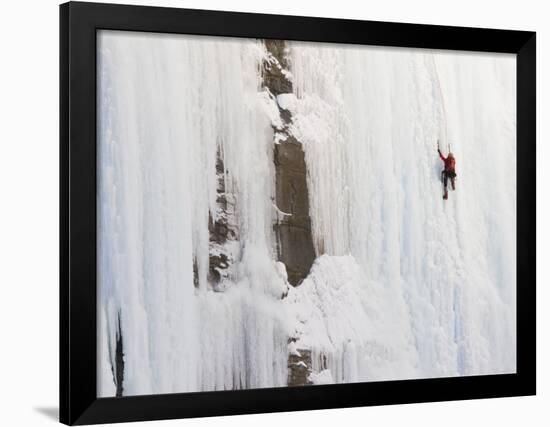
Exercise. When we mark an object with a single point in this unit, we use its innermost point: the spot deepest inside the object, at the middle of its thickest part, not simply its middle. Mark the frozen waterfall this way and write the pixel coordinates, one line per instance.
(405, 285)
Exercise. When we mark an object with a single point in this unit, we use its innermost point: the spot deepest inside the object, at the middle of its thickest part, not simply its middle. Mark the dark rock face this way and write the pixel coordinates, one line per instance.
(222, 229)
(293, 231)
(293, 228)
(299, 368)
(274, 77)
(118, 369)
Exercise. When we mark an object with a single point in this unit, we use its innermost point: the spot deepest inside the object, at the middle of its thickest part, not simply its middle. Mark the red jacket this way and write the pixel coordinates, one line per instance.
(449, 162)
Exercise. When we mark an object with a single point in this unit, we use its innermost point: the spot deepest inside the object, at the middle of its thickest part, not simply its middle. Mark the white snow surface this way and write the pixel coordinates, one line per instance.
(405, 285)
(322, 377)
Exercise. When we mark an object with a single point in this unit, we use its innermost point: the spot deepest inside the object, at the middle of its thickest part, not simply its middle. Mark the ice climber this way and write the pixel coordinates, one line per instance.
(449, 172)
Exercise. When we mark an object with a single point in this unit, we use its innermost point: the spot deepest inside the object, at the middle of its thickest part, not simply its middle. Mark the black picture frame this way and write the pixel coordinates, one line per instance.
(78, 398)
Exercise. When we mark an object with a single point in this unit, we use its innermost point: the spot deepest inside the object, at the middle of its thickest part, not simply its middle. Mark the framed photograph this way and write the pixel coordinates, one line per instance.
(268, 213)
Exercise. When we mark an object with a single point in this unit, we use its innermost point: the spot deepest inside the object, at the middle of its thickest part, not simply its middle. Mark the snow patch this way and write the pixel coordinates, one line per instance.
(287, 101)
(323, 377)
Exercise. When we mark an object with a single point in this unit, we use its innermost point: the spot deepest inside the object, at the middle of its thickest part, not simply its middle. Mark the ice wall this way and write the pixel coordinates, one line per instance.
(168, 105)
(404, 284)
(444, 271)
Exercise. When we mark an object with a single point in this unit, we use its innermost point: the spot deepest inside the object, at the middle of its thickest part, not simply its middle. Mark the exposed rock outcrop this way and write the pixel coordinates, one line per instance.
(222, 229)
(299, 368)
(118, 368)
(293, 227)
